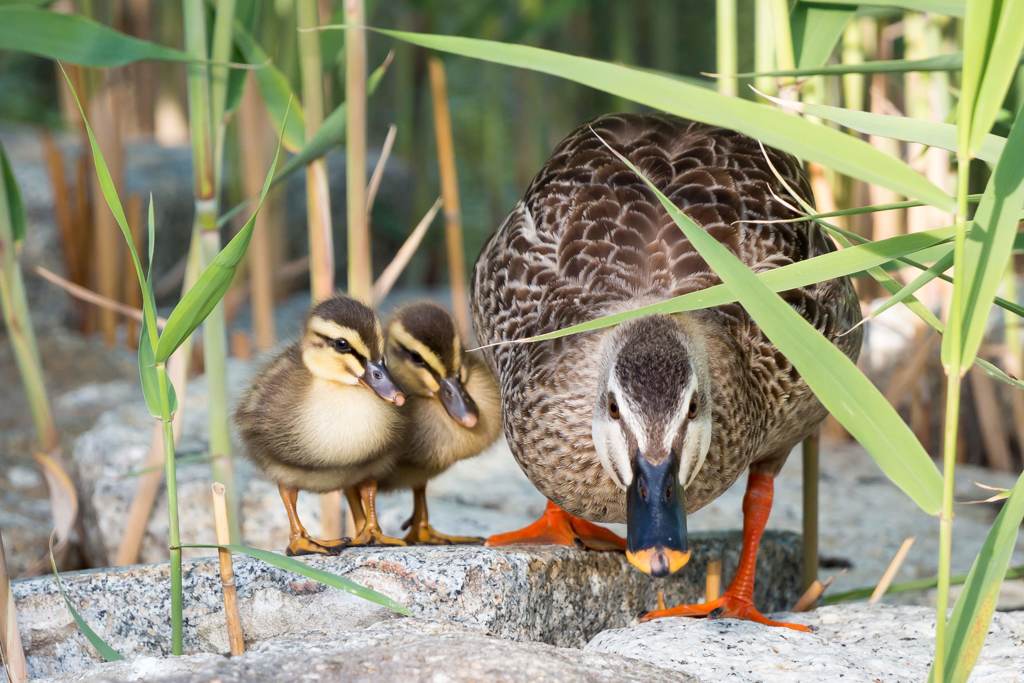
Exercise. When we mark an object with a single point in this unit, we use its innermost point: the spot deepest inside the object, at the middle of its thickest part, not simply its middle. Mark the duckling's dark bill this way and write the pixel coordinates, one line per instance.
(379, 379)
(656, 542)
(458, 402)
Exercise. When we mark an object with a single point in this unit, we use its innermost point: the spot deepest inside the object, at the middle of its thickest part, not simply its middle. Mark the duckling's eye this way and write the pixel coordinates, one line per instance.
(692, 413)
(341, 345)
(613, 408)
(416, 358)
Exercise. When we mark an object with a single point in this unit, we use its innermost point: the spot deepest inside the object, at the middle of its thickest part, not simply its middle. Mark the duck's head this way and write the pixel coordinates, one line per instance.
(652, 431)
(425, 354)
(343, 343)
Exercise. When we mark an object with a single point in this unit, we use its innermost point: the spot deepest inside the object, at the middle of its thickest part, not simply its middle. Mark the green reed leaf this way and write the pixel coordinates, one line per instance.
(816, 29)
(15, 206)
(76, 39)
(953, 8)
(213, 282)
(809, 141)
(108, 653)
(972, 614)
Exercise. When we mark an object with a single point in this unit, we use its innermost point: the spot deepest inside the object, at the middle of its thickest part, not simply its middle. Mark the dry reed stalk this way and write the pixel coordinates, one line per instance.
(391, 273)
(236, 640)
(813, 593)
(241, 345)
(891, 570)
(713, 580)
(994, 435)
(10, 639)
(83, 237)
(107, 248)
(254, 145)
(62, 208)
(449, 195)
(378, 170)
(90, 297)
(360, 269)
(661, 600)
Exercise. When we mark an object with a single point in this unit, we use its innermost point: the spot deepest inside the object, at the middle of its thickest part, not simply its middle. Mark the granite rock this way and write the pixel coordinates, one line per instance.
(851, 643)
(560, 596)
(405, 649)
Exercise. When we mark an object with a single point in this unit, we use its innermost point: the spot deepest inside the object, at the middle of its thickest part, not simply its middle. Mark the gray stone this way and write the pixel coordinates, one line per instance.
(405, 649)
(560, 596)
(852, 643)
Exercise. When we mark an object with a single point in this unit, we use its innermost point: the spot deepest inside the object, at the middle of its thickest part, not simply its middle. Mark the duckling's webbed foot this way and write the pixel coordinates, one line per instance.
(558, 527)
(370, 532)
(420, 531)
(304, 545)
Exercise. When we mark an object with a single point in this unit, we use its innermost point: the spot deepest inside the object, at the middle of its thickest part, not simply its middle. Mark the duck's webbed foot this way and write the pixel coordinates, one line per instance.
(304, 545)
(730, 606)
(558, 527)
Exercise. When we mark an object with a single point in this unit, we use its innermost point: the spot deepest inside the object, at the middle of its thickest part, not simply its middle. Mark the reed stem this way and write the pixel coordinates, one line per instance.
(360, 273)
(236, 640)
(450, 196)
(810, 454)
(726, 46)
(173, 528)
(10, 639)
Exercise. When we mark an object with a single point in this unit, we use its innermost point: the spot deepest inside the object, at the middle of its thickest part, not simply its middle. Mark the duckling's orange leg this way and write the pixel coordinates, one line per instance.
(420, 531)
(370, 532)
(355, 504)
(738, 600)
(558, 527)
(299, 540)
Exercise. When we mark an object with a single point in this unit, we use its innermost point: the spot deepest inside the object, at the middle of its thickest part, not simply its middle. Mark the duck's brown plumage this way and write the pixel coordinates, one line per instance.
(588, 238)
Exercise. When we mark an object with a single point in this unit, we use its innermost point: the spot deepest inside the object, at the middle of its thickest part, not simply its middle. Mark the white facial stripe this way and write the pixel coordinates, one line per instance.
(680, 414)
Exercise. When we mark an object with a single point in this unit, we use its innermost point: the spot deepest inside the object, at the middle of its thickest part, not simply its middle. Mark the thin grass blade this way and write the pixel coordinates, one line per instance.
(952, 61)
(806, 140)
(15, 206)
(816, 29)
(108, 653)
(837, 382)
(319, 575)
(1002, 52)
(76, 39)
(953, 8)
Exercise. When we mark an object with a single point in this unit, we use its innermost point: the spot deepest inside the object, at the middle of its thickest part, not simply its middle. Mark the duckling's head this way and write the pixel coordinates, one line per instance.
(425, 355)
(343, 343)
(652, 432)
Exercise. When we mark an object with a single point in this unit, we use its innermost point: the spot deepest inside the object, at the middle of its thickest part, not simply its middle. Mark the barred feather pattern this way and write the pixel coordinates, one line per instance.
(589, 239)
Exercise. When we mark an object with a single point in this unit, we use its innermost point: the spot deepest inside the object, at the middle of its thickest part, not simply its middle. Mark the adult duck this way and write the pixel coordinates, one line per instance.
(649, 421)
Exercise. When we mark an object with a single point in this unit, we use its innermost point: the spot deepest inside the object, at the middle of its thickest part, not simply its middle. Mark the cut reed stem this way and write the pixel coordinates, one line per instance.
(236, 639)
(713, 580)
(890, 571)
(10, 639)
(449, 195)
(810, 453)
(393, 271)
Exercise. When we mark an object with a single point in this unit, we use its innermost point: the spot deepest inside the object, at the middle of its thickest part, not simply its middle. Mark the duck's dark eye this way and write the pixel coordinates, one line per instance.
(692, 413)
(415, 357)
(341, 345)
(613, 408)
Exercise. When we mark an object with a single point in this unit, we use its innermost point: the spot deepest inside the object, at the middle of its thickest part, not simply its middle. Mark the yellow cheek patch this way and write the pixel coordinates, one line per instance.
(398, 331)
(326, 364)
(333, 330)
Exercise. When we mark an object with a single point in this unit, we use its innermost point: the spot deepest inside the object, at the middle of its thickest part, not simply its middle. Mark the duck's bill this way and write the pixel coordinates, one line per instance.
(379, 379)
(656, 542)
(458, 402)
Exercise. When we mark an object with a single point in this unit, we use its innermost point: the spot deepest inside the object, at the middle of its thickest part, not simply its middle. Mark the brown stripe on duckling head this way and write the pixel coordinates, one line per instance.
(343, 314)
(433, 328)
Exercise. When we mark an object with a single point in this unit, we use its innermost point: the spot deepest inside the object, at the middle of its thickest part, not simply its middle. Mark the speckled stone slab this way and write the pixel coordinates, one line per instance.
(856, 642)
(560, 596)
(397, 650)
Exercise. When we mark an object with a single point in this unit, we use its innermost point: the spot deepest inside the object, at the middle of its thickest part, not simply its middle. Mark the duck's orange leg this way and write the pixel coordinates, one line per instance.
(738, 601)
(558, 527)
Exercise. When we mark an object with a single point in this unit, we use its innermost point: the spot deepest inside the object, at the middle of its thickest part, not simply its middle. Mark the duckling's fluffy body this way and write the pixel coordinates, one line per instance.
(432, 441)
(316, 434)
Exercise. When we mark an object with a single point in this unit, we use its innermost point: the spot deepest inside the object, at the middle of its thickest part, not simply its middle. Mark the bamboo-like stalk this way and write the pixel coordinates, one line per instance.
(890, 571)
(810, 454)
(764, 46)
(360, 274)
(318, 204)
(10, 639)
(390, 274)
(88, 296)
(253, 125)
(107, 246)
(713, 580)
(726, 50)
(207, 143)
(236, 640)
(449, 196)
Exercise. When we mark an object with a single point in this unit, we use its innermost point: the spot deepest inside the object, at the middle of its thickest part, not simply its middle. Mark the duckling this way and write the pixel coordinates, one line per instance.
(453, 412)
(322, 416)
